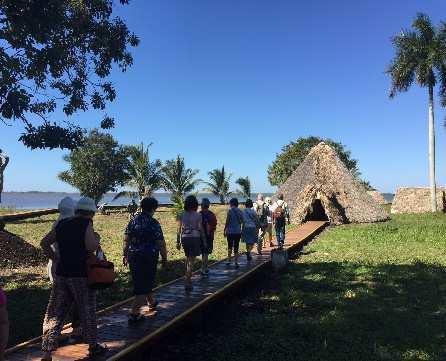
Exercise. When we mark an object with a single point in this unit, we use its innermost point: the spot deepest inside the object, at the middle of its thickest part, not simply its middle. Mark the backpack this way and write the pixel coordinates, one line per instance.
(262, 213)
(279, 213)
(209, 222)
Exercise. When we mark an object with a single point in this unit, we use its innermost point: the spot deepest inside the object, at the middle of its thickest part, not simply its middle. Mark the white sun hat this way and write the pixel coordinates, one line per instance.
(86, 204)
(66, 208)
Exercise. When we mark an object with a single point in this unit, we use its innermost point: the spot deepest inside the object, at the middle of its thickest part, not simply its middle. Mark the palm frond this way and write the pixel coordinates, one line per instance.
(128, 194)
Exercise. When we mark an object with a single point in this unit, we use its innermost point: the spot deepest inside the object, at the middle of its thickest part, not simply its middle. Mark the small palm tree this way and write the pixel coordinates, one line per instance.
(245, 186)
(178, 179)
(420, 56)
(145, 176)
(219, 183)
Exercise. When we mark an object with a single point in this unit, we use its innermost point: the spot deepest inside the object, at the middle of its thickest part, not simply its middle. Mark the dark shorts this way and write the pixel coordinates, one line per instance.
(143, 266)
(191, 246)
(233, 241)
(209, 246)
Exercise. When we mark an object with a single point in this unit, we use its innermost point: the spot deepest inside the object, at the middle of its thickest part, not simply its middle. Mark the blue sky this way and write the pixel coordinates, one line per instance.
(231, 82)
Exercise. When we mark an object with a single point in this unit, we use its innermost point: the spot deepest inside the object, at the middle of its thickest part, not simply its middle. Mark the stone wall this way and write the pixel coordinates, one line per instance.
(417, 200)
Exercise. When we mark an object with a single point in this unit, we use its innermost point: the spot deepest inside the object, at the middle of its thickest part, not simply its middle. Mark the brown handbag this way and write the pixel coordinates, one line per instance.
(100, 272)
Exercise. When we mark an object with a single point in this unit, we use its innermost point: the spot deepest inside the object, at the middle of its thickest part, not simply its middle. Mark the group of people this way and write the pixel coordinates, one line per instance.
(72, 240)
(253, 223)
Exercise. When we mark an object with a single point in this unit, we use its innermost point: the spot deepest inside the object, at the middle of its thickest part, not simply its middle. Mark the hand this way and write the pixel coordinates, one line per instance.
(125, 261)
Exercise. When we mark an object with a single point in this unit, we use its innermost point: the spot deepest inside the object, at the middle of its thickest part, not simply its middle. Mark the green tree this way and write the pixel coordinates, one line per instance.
(245, 186)
(219, 183)
(98, 166)
(145, 176)
(295, 152)
(178, 179)
(59, 54)
(421, 57)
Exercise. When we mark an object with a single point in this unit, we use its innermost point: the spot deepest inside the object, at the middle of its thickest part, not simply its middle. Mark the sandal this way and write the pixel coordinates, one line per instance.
(152, 307)
(97, 350)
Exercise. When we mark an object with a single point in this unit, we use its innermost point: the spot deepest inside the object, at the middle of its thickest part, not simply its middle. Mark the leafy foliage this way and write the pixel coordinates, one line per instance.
(59, 54)
(178, 179)
(145, 176)
(219, 183)
(98, 166)
(245, 186)
(295, 152)
(420, 57)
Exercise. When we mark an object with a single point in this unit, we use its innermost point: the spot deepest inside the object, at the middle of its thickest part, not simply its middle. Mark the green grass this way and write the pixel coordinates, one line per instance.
(359, 292)
(28, 287)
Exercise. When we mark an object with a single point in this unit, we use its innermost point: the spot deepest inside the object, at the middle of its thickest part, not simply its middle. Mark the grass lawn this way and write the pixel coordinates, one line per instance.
(28, 287)
(358, 292)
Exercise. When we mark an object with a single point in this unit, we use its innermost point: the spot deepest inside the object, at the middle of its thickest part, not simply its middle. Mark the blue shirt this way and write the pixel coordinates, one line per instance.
(235, 221)
(144, 231)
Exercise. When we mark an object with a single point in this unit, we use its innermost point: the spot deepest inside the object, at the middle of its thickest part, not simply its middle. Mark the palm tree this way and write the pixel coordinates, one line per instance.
(420, 57)
(145, 176)
(178, 179)
(219, 183)
(245, 186)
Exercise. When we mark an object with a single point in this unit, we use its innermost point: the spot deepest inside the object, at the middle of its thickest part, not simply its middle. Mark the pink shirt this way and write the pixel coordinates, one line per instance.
(2, 297)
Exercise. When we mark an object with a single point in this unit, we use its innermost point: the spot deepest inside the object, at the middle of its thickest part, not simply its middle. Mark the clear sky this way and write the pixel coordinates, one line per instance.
(230, 82)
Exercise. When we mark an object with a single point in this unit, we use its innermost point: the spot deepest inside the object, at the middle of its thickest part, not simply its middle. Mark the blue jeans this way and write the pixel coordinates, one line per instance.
(280, 236)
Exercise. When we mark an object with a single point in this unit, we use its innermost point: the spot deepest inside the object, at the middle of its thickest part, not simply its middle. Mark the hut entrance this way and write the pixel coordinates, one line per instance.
(316, 212)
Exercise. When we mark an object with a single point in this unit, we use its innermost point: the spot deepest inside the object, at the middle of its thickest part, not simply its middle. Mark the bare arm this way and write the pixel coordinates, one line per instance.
(91, 241)
(180, 223)
(46, 243)
(226, 224)
(163, 250)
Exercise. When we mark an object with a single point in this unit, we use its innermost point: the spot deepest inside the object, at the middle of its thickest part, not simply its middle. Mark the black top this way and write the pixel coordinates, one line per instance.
(70, 235)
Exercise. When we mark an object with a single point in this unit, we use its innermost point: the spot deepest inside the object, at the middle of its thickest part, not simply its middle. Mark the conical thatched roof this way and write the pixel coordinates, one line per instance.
(322, 179)
(417, 200)
(378, 197)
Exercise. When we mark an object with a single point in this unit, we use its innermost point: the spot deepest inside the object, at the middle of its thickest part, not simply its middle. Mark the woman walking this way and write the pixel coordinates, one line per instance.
(75, 238)
(66, 210)
(233, 230)
(190, 236)
(251, 226)
(143, 243)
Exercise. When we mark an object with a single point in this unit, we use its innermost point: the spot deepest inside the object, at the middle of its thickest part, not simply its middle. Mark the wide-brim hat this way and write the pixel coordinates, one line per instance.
(86, 204)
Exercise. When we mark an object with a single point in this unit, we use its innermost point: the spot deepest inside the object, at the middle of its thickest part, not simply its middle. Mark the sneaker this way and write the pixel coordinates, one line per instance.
(152, 307)
(134, 319)
(97, 350)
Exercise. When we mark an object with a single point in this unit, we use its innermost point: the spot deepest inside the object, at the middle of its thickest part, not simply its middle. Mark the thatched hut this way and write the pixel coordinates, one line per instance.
(322, 188)
(378, 197)
(417, 200)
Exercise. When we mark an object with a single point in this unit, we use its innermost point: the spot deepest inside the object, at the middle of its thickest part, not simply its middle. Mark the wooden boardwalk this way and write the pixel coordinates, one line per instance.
(125, 342)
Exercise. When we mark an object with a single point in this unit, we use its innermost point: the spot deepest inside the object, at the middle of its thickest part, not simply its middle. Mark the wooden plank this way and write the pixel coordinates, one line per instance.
(124, 341)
